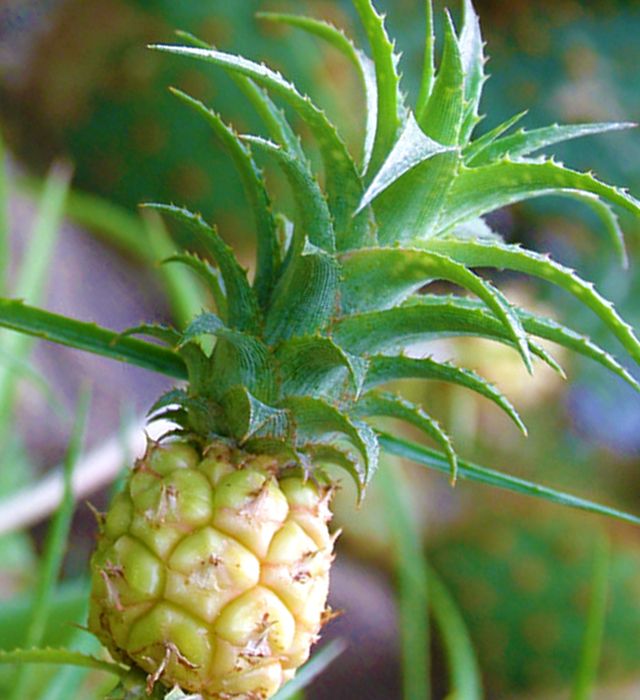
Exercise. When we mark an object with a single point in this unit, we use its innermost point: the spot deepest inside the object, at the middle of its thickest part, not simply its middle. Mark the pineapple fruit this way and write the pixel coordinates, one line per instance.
(212, 564)
(212, 571)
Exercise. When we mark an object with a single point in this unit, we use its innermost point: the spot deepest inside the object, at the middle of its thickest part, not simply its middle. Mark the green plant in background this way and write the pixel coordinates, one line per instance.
(523, 585)
(211, 571)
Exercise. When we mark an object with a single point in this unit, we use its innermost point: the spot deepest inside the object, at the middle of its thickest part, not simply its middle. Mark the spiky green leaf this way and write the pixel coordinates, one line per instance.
(428, 63)
(473, 60)
(315, 421)
(242, 304)
(381, 404)
(385, 368)
(410, 206)
(524, 142)
(165, 334)
(361, 61)
(169, 398)
(457, 315)
(210, 276)
(246, 416)
(478, 191)
(268, 253)
(242, 359)
(207, 323)
(412, 148)
(442, 116)
(330, 454)
(387, 82)
(273, 117)
(401, 271)
(512, 257)
(472, 149)
(343, 183)
(315, 365)
(313, 218)
(311, 275)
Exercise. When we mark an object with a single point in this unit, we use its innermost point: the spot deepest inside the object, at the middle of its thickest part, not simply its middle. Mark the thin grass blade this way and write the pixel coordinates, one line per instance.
(412, 585)
(464, 671)
(318, 663)
(587, 672)
(4, 217)
(54, 549)
(33, 272)
(472, 472)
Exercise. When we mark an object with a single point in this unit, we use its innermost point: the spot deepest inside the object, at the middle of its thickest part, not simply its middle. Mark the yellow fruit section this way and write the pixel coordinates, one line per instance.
(218, 555)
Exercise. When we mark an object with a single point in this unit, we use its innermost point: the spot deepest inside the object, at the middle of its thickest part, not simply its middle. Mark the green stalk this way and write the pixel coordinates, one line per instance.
(293, 690)
(34, 273)
(464, 673)
(587, 673)
(466, 470)
(412, 586)
(4, 217)
(54, 550)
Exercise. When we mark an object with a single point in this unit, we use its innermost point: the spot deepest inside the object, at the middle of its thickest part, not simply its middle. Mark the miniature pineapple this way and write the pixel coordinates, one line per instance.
(212, 565)
(212, 571)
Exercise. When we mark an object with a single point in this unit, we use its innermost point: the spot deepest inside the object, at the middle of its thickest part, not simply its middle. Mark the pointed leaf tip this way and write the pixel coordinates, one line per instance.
(412, 148)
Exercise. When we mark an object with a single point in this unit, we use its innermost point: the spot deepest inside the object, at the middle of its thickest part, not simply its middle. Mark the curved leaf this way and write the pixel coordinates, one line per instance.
(385, 276)
(329, 454)
(381, 404)
(312, 365)
(311, 275)
(315, 421)
(268, 249)
(363, 64)
(478, 191)
(524, 142)
(210, 275)
(242, 305)
(241, 359)
(511, 257)
(207, 323)
(273, 117)
(343, 183)
(470, 317)
(247, 417)
(165, 334)
(472, 149)
(383, 369)
(313, 218)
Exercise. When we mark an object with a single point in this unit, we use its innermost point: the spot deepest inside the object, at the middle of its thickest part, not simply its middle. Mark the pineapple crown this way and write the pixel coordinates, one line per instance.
(302, 351)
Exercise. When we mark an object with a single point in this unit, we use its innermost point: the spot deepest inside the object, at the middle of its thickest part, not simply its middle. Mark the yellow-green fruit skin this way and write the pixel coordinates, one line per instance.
(211, 573)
